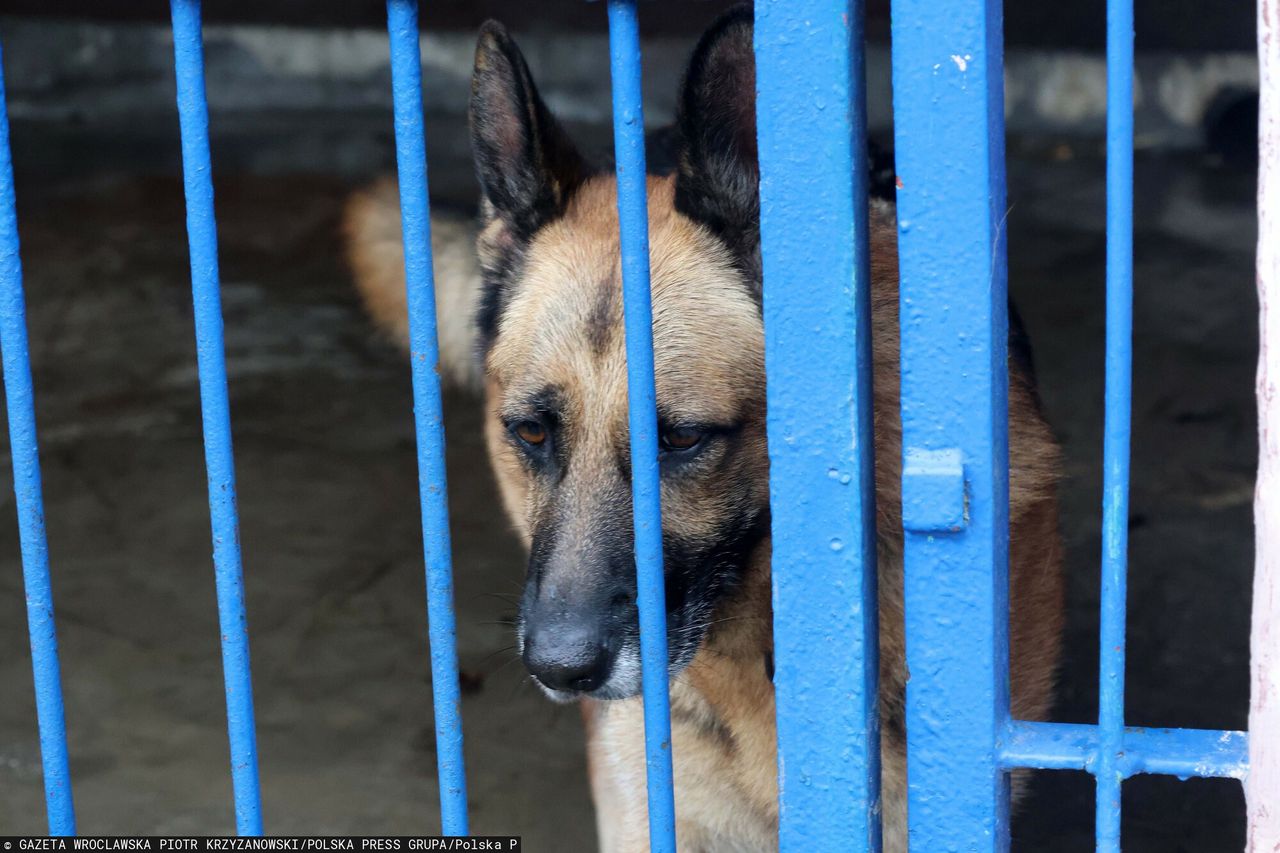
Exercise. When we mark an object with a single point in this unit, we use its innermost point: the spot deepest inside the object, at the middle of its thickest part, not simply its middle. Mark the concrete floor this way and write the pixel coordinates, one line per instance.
(328, 497)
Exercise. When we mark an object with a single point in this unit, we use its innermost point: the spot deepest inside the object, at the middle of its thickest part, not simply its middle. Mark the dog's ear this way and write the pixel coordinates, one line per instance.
(718, 176)
(525, 162)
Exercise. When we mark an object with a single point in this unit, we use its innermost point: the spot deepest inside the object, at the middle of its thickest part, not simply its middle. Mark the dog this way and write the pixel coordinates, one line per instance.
(540, 299)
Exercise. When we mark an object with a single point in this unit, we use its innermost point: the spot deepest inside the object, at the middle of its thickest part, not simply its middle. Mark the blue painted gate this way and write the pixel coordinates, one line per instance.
(962, 743)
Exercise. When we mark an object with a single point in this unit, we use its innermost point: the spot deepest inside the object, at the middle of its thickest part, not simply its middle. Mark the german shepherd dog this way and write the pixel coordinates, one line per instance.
(544, 308)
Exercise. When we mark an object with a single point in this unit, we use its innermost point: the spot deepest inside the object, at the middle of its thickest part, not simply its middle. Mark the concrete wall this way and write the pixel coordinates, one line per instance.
(105, 71)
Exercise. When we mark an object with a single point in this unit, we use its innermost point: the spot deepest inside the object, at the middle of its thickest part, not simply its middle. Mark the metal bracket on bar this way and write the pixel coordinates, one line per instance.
(933, 491)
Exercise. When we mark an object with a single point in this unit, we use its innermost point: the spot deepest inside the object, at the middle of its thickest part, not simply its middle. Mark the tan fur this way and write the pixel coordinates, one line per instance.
(375, 252)
(708, 341)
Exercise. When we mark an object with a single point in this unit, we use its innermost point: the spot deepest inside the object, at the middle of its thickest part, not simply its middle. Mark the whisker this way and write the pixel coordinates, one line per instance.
(504, 665)
(495, 653)
(509, 598)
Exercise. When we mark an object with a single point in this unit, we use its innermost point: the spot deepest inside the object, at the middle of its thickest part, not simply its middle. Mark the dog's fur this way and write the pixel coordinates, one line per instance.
(546, 305)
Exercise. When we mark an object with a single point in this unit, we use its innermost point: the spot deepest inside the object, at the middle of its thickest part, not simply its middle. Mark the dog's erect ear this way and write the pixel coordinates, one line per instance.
(526, 164)
(718, 177)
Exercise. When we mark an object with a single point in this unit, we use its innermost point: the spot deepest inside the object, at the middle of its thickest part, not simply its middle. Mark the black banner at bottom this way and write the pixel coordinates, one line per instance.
(318, 843)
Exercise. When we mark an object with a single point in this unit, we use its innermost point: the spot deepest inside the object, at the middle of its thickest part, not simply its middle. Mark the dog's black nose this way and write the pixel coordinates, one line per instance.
(567, 657)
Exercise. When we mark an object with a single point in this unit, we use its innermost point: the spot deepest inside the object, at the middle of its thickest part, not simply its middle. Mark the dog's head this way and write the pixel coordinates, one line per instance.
(552, 332)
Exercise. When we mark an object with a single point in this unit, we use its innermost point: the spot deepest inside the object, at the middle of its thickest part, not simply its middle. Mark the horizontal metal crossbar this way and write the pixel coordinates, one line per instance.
(1165, 752)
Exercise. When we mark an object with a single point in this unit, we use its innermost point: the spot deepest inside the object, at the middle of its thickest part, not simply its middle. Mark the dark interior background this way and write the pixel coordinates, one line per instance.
(1162, 24)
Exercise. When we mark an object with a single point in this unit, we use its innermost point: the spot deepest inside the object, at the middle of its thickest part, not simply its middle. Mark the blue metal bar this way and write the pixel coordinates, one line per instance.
(633, 222)
(1115, 448)
(813, 193)
(202, 235)
(1166, 752)
(428, 413)
(949, 124)
(20, 401)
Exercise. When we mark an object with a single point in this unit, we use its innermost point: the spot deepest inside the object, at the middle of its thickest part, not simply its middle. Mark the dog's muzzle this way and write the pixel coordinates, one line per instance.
(568, 655)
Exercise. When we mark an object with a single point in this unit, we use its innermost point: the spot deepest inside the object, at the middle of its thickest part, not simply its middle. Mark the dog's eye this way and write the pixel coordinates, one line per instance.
(531, 433)
(681, 438)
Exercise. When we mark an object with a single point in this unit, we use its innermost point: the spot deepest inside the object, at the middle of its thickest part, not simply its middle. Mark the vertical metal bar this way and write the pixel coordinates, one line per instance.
(949, 123)
(202, 235)
(1263, 786)
(1115, 449)
(20, 402)
(813, 194)
(633, 221)
(428, 413)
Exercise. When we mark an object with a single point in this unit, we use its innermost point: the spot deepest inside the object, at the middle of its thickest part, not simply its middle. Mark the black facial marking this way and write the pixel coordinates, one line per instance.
(547, 401)
(544, 542)
(545, 408)
(600, 569)
(703, 572)
(602, 323)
